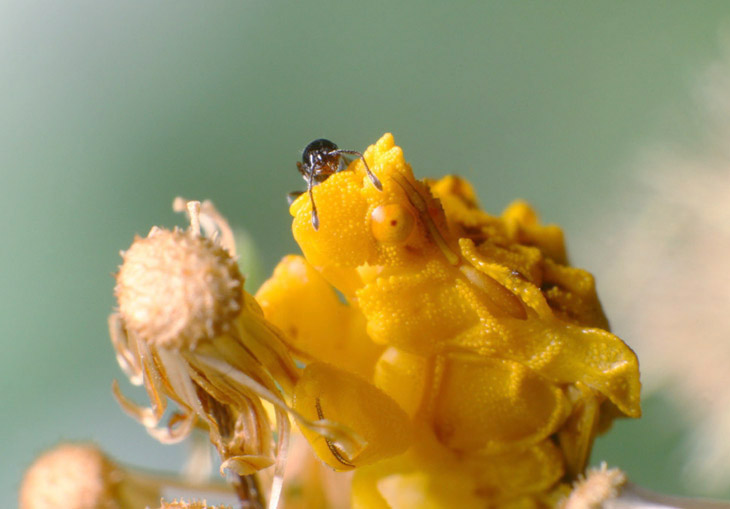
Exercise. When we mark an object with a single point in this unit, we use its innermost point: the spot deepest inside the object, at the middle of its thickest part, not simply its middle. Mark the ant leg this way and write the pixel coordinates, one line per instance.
(302, 169)
(290, 197)
(315, 218)
(372, 176)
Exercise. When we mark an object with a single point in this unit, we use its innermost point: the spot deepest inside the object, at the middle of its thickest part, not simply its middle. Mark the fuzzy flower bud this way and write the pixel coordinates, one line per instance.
(80, 476)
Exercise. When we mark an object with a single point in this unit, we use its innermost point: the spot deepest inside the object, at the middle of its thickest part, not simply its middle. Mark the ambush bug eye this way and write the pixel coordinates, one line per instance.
(392, 223)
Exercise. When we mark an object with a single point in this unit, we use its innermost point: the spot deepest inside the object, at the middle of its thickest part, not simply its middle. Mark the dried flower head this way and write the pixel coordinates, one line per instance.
(176, 288)
(188, 331)
(80, 476)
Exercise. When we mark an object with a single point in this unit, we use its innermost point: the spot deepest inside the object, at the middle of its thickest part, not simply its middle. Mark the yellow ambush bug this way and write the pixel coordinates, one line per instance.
(489, 354)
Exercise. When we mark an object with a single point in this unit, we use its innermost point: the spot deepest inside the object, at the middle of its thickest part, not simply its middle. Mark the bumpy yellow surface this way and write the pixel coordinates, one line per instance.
(472, 358)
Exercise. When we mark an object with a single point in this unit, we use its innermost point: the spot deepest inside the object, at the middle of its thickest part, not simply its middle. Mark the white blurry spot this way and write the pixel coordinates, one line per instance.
(668, 282)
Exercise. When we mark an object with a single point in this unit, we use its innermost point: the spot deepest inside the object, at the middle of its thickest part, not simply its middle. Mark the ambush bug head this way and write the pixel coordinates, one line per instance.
(360, 225)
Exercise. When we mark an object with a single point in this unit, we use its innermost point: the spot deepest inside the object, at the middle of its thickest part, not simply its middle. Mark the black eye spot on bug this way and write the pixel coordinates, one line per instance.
(320, 159)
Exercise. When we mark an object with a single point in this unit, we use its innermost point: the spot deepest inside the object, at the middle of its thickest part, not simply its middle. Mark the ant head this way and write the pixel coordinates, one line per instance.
(320, 153)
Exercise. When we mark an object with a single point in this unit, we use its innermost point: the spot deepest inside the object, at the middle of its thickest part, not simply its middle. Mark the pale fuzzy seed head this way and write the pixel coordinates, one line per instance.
(191, 505)
(176, 288)
(72, 476)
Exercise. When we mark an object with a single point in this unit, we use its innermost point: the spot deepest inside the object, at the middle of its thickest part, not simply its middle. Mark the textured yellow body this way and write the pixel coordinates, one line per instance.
(468, 334)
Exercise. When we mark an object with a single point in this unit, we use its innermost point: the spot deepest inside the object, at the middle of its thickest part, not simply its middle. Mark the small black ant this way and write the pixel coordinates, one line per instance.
(320, 159)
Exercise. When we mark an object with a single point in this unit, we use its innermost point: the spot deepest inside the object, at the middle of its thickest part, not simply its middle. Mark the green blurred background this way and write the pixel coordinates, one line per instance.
(110, 110)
